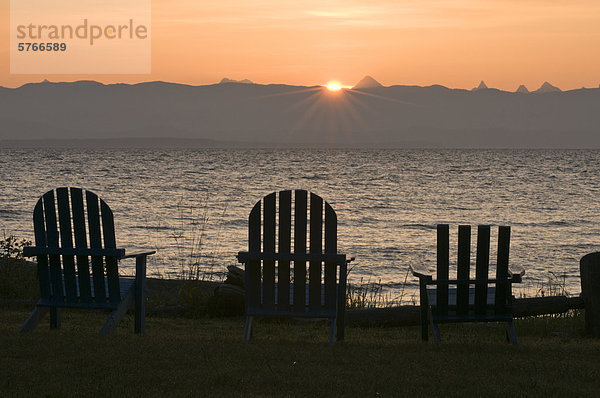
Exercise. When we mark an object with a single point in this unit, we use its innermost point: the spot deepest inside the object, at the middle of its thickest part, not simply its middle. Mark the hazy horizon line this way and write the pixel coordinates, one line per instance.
(165, 142)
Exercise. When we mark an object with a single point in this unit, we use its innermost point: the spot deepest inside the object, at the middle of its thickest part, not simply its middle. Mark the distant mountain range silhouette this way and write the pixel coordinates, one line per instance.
(227, 80)
(249, 114)
(544, 88)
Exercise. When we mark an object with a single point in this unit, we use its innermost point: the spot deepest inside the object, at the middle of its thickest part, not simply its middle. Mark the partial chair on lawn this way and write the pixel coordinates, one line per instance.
(466, 299)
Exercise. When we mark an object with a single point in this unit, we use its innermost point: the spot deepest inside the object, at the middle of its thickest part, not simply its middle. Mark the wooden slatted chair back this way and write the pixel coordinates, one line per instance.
(293, 223)
(472, 293)
(71, 218)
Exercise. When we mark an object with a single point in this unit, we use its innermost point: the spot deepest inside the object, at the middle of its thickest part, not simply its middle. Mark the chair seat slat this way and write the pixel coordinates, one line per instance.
(452, 296)
(290, 300)
(62, 301)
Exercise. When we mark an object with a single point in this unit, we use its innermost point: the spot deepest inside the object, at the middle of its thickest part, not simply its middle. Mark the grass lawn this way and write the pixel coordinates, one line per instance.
(206, 357)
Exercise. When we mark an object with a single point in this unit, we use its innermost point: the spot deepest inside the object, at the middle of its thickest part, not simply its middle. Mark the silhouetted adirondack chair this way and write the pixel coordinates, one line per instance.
(59, 247)
(464, 299)
(277, 280)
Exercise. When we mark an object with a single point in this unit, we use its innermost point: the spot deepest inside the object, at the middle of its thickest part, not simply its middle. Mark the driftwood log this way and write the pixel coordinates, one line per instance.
(408, 315)
(228, 296)
(229, 299)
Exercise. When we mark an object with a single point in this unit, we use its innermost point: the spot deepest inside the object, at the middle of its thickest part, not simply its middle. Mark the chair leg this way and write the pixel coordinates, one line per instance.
(435, 328)
(436, 332)
(115, 317)
(424, 328)
(140, 295)
(425, 311)
(340, 326)
(332, 332)
(511, 334)
(36, 316)
(54, 318)
(248, 329)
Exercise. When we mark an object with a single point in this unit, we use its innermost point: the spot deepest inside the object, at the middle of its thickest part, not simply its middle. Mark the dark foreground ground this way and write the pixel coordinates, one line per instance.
(192, 348)
(203, 356)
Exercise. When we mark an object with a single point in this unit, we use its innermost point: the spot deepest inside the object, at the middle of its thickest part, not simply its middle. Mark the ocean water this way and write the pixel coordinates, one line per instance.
(388, 203)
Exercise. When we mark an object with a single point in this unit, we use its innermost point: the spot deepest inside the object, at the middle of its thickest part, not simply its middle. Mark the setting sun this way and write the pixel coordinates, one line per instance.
(333, 86)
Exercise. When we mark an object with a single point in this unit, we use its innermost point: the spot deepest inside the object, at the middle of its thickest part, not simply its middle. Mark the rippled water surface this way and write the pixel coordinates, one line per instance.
(388, 202)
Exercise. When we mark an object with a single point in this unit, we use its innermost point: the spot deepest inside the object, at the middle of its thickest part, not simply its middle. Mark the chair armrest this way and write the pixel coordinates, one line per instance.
(241, 257)
(137, 253)
(420, 271)
(31, 251)
(140, 264)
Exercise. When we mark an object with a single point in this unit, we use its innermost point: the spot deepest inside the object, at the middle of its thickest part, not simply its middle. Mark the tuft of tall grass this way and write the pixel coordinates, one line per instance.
(213, 255)
(364, 295)
(195, 248)
(554, 286)
(373, 295)
(189, 239)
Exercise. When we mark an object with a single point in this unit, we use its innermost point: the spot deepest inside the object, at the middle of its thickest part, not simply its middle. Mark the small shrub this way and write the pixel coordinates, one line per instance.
(11, 247)
(18, 278)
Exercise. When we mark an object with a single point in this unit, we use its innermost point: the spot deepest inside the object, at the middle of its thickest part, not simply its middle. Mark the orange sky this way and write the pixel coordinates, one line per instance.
(456, 43)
